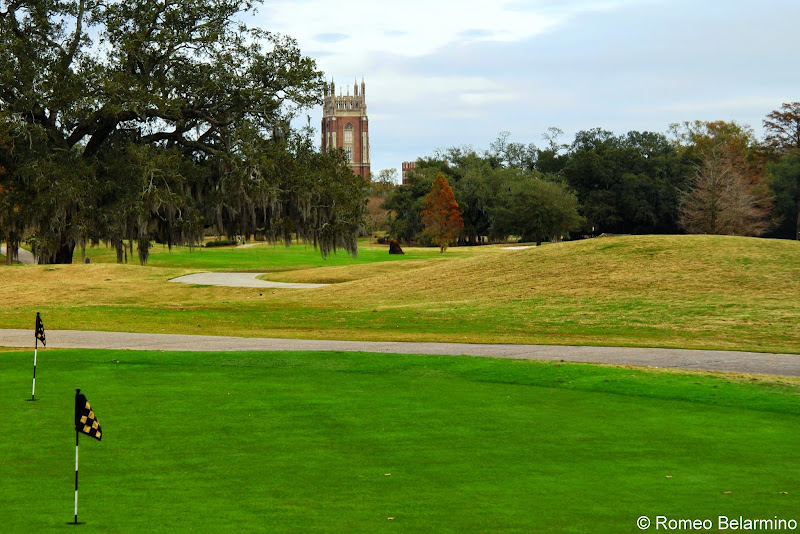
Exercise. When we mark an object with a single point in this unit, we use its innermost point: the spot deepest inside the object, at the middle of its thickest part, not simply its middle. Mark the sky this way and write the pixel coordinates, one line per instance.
(442, 73)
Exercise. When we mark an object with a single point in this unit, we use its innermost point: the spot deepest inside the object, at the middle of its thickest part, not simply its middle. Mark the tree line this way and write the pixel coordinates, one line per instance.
(153, 120)
(699, 177)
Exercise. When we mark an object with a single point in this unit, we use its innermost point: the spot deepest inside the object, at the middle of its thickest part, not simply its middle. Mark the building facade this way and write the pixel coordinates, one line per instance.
(345, 125)
(408, 166)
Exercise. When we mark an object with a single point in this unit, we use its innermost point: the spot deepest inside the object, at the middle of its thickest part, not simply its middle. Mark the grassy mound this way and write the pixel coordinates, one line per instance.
(710, 292)
(694, 291)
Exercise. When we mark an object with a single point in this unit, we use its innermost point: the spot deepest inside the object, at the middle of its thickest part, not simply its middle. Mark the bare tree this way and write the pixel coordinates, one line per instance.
(722, 198)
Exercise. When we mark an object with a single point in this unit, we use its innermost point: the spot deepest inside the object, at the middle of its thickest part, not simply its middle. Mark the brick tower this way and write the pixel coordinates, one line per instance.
(345, 125)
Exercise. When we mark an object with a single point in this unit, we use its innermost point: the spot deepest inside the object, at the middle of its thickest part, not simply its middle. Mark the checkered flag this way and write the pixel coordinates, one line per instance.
(85, 420)
(40, 329)
(85, 423)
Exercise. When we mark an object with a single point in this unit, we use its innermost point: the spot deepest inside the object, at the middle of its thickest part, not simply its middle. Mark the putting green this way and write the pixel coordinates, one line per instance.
(342, 442)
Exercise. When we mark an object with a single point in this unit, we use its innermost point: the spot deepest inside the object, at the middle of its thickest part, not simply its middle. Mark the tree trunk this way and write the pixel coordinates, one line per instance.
(118, 244)
(64, 253)
(798, 219)
(144, 250)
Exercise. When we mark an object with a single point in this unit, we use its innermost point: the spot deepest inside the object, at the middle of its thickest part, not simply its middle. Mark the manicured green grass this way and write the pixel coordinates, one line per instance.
(341, 442)
(256, 256)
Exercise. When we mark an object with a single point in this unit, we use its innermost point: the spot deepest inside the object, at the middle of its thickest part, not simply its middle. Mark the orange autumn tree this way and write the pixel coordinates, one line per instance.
(441, 215)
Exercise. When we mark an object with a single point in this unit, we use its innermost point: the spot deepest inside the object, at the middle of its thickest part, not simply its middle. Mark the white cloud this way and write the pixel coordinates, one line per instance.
(430, 86)
(453, 72)
(485, 98)
(410, 28)
(746, 102)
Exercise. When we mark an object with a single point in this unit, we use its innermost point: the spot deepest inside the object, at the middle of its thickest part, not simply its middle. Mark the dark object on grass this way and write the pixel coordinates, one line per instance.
(87, 260)
(394, 247)
(222, 243)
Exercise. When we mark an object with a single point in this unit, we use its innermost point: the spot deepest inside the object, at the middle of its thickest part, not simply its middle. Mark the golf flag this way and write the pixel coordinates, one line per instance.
(40, 329)
(85, 420)
(86, 423)
(38, 336)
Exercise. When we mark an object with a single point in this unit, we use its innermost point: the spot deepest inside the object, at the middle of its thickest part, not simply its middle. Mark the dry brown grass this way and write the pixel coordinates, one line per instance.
(663, 266)
(704, 291)
(673, 291)
(79, 286)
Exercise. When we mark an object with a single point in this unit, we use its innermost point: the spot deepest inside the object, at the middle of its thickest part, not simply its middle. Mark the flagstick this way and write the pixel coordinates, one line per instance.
(77, 435)
(35, 352)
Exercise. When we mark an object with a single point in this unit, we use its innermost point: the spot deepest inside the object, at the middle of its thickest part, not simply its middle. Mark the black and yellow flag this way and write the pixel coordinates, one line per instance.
(40, 329)
(85, 420)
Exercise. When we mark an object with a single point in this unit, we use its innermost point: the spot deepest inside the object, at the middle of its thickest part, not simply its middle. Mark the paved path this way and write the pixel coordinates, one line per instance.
(238, 280)
(24, 256)
(743, 362)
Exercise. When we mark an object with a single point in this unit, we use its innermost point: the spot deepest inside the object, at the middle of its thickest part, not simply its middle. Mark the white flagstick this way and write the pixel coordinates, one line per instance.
(77, 435)
(77, 441)
(85, 422)
(35, 351)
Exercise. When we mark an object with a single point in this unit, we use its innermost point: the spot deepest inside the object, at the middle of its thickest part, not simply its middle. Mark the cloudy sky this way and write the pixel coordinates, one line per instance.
(441, 73)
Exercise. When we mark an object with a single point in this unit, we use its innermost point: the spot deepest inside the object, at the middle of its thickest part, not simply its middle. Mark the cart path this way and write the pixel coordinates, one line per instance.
(24, 256)
(238, 280)
(731, 361)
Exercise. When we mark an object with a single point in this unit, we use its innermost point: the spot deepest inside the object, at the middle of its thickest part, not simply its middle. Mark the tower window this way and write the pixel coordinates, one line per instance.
(348, 154)
(348, 134)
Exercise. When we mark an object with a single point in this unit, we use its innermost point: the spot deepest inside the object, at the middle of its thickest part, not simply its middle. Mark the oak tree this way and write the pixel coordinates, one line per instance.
(785, 185)
(535, 209)
(152, 119)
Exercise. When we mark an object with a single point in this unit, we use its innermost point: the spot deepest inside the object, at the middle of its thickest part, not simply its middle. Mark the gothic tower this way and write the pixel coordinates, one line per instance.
(345, 125)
